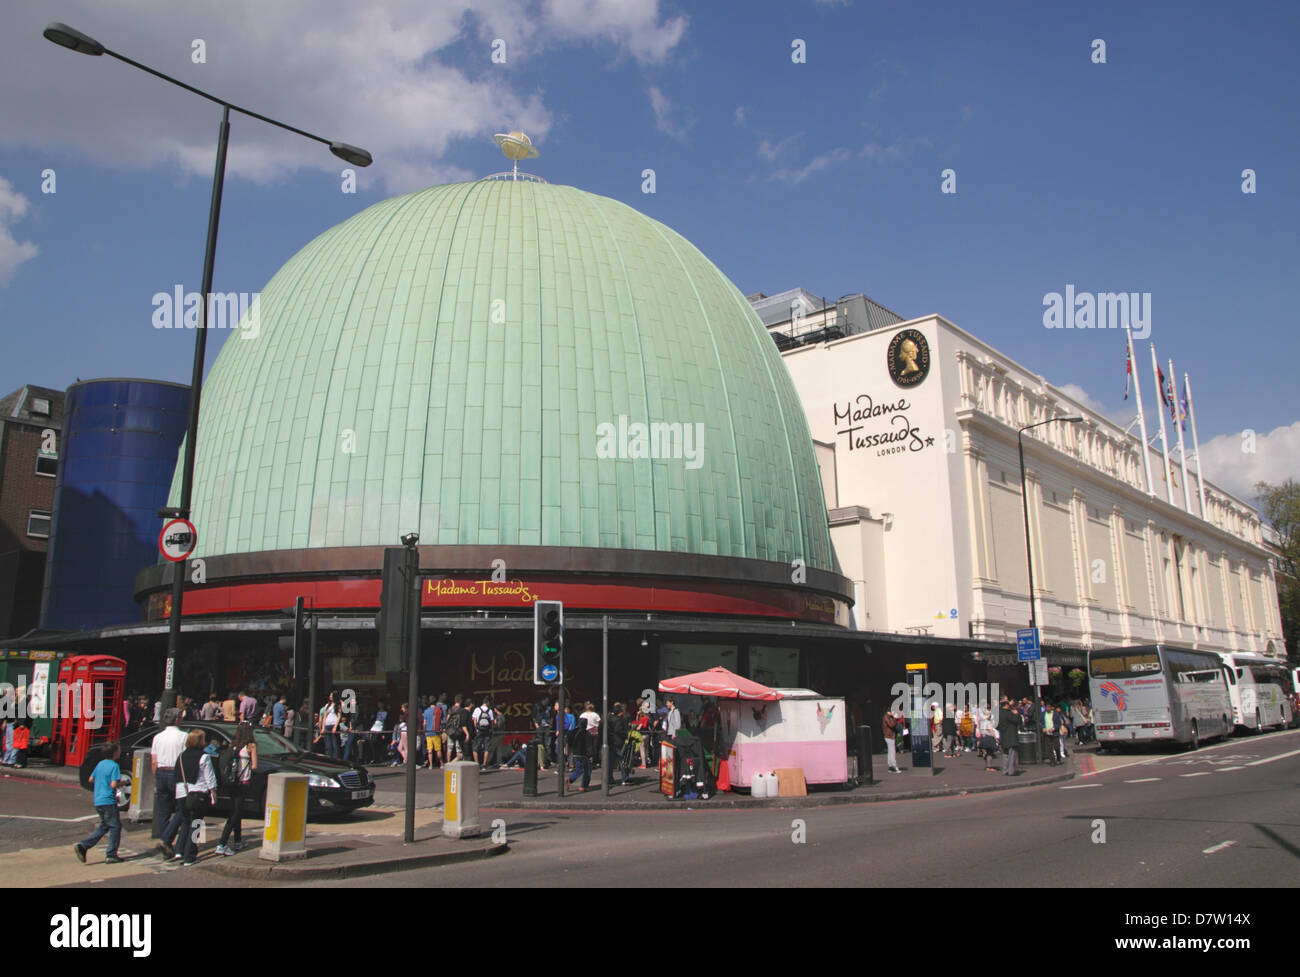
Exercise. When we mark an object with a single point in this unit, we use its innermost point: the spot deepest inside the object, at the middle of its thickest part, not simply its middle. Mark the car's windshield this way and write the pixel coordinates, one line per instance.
(271, 744)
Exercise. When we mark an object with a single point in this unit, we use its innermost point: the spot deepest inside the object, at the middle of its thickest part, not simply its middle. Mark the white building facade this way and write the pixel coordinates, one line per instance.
(916, 428)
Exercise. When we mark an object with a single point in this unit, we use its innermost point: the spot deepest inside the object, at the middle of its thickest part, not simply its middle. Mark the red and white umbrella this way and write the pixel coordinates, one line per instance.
(720, 683)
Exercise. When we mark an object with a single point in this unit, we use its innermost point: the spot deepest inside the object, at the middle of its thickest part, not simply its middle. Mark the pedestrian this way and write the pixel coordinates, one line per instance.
(483, 720)
(580, 744)
(196, 789)
(936, 729)
(618, 730)
(247, 707)
(890, 725)
(542, 725)
(673, 718)
(278, 712)
(430, 732)
(328, 728)
(949, 727)
(22, 740)
(106, 777)
(163, 753)
(241, 759)
(211, 709)
(1052, 734)
(966, 728)
(1009, 723)
(640, 731)
(452, 731)
(593, 731)
(229, 708)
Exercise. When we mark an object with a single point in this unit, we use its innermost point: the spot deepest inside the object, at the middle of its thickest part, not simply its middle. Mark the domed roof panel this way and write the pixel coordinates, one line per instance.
(474, 362)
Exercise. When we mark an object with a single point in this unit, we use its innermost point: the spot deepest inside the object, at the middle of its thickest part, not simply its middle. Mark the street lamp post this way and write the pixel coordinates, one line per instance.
(74, 40)
(1029, 552)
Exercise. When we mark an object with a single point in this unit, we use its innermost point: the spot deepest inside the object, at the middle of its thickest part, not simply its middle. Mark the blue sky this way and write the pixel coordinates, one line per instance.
(1122, 176)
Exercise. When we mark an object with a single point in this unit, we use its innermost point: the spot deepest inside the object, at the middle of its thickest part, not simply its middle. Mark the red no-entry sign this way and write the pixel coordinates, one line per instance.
(177, 540)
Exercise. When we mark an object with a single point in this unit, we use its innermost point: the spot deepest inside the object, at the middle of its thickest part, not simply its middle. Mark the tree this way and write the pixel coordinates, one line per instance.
(1280, 507)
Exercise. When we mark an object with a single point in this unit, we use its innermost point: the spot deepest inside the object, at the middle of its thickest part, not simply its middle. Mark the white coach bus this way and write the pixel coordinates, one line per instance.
(1157, 694)
(1260, 689)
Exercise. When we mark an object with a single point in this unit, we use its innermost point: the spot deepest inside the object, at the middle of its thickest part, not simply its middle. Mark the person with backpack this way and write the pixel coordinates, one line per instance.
(235, 766)
(483, 722)
(106, 778)
(890, 725)
(455, 734)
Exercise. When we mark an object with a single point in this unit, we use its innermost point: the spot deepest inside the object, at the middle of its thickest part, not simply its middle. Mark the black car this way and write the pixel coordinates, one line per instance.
(333, 786)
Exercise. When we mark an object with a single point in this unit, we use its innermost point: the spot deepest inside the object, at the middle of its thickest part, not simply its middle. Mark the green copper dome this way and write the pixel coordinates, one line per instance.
(474, 362)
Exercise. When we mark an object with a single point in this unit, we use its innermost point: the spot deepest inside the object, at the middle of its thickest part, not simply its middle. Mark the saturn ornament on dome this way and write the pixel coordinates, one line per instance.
(516, 146)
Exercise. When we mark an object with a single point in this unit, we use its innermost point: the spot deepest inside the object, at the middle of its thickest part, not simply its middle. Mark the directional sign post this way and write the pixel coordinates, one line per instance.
(1028, 648)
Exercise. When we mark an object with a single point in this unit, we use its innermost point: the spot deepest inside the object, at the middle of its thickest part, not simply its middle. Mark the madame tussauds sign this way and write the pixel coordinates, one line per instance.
(883, 425)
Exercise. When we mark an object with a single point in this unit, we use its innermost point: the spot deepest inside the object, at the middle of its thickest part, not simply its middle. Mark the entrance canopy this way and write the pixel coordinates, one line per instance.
(720, 683)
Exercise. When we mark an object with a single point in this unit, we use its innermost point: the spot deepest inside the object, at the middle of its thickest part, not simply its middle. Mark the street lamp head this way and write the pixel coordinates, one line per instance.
(1071, 418)
(65, 36)
(351, 154)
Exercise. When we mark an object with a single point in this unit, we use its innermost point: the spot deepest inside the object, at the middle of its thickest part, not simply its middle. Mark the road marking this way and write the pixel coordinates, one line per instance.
(1219, 847)
(1226, 769)
(1270, 759)
(1079, 786)
(1142, 780)
(33, 817)
(1199, 773)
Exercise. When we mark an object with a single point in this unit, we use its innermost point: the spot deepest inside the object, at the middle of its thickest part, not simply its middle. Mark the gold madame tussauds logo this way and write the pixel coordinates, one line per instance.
(909, 358)
(479, 588)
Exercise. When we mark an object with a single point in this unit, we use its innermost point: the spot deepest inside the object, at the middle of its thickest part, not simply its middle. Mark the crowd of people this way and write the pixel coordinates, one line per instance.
(955, 730)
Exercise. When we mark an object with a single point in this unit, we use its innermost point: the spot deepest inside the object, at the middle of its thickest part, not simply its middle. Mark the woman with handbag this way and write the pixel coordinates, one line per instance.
(245, 760)
(196, 790)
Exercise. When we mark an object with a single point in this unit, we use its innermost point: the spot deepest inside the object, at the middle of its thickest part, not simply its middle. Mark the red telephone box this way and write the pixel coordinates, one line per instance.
(90, 714)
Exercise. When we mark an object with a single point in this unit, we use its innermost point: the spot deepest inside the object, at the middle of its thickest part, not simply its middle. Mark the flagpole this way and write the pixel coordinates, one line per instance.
(1196, 444)
(1178, 423)
(1142, 420)
(1164, 436)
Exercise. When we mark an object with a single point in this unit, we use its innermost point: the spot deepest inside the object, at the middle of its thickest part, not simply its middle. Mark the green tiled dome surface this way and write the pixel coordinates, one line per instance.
(378, 337)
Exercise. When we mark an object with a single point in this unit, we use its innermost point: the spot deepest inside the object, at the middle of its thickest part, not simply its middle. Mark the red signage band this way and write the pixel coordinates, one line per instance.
(363, 593)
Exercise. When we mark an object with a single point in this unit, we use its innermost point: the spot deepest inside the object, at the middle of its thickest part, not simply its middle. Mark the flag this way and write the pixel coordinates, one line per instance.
(1128, 372)
(1182, 415)
(1164, 390)
(1167, 395)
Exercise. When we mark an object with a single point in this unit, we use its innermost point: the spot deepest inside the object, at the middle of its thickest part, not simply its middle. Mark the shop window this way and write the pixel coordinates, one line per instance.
(47, 465)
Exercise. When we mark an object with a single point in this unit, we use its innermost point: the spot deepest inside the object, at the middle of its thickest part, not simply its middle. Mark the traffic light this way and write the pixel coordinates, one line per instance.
(393, 622)
(298, 644)
(548, 642)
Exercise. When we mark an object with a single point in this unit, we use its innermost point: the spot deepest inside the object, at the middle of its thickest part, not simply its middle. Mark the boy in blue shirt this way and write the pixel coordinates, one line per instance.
(107, 775)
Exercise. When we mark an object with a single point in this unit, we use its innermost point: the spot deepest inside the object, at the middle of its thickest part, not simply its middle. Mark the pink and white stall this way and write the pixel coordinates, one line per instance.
(800, 730)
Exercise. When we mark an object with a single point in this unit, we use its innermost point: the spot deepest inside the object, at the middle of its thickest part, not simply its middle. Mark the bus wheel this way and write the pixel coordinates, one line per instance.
(1196, 738)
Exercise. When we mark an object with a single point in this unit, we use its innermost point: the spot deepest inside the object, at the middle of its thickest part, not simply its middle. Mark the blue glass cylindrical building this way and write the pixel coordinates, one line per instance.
(120, 443)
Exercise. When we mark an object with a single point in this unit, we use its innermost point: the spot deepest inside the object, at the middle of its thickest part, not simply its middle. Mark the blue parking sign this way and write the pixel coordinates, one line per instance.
(1028, 648)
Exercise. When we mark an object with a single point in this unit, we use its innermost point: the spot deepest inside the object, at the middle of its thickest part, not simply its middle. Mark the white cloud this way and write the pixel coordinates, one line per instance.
(1076, 392)
(899, 149)
(815, 165)
(378, 75)
(1235, 462)
(669, 116)
(739, 118)
(13, 207)
(770, 151)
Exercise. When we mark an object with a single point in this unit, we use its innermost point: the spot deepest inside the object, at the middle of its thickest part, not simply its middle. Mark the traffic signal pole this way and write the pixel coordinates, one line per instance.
(413, 694)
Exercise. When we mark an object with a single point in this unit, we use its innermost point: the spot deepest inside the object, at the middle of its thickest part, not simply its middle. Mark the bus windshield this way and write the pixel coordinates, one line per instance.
(1122, 665)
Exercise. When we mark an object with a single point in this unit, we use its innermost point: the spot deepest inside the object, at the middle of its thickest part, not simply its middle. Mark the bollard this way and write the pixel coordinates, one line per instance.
(285, 834)
(142, 789)
(530, 767)
(460, 800)
(865, 771)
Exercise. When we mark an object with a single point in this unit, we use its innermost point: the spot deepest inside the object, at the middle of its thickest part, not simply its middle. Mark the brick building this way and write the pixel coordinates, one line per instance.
(31, 424)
